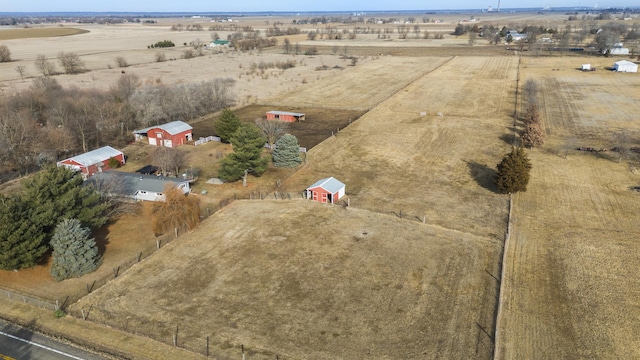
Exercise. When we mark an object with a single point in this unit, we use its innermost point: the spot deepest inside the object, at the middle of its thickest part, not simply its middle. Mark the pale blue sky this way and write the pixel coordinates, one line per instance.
(284, 5)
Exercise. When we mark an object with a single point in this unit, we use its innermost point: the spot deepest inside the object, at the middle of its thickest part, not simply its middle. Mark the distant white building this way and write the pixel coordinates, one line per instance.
(515, 36)
(619, 50)
(625, 66)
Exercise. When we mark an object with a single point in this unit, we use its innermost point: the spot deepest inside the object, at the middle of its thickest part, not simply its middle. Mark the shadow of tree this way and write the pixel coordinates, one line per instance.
(509, 139)
(483, 175)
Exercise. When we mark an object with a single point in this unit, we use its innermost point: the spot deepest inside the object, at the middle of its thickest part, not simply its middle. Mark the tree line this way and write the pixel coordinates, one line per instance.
(47, 122)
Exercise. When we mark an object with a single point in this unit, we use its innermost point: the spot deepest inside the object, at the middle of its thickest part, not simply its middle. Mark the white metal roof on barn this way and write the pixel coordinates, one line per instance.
(95, 156)
(174, 127)
(330, 184)
(276, 112)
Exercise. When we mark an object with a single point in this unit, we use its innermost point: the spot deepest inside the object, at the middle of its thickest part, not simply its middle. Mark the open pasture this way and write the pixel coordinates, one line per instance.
(304, 280)
(441, 167)
(570, 289)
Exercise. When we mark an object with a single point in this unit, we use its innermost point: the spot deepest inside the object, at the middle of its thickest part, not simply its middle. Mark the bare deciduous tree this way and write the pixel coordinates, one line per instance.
(44, 66)
(5, 53)
(178, 211)
(272, 129)
(20, 69)
(160, 57)
(71, 62)
(168, 160)
(121, 62)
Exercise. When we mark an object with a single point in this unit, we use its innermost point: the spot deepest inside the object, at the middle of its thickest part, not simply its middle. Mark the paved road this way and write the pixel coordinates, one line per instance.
(22, 344)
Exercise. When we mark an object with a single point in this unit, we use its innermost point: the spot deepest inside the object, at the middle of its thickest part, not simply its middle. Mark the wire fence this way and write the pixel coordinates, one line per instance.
(30, 299)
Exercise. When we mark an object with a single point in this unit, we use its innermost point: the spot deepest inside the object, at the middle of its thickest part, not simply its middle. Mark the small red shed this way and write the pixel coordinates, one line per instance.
(168, 135)
(327, 190)
(284, 116)
(94, 161)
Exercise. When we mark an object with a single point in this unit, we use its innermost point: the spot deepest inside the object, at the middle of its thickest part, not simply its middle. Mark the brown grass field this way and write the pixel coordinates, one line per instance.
(570, 290)
(304, 280)
(372, 281)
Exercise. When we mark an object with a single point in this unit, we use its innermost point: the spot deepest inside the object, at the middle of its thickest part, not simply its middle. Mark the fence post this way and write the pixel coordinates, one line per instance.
(158, 243)
(176, 231)
(207, 348)
(57, 305)
(424, 219)
(175, 337)
(138, 256)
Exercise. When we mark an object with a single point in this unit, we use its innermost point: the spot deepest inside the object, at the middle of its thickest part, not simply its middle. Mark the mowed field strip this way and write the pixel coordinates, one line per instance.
(571, 289)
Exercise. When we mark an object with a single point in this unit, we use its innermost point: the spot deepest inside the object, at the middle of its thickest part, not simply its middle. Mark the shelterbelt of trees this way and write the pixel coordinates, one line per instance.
(47, 122)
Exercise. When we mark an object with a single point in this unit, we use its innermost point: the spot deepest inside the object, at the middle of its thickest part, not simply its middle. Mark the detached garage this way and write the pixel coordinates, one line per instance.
(625, 66)
(327, 190)
(168, 135)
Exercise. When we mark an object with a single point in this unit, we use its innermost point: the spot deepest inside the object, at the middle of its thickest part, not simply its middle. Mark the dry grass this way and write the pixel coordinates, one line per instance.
(304, 280)
(571, 290)
(394, 159)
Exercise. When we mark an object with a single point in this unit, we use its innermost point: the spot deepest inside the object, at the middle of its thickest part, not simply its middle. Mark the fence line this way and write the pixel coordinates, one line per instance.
(41, 303)
(203, 140)
(300, 148)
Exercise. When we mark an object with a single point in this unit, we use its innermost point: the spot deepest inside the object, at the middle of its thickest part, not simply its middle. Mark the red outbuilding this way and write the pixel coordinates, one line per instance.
(93, 162)
(284, 116)
(327, 190)
(168, 135)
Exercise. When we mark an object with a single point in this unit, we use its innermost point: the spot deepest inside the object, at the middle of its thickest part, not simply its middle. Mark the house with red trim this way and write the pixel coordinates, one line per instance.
(328, 190)
(168, 135)
(93, 162)
(285, 116)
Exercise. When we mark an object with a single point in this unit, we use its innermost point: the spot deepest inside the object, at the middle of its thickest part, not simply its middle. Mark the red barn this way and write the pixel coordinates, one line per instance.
(327, 190)
(93, 162)
(284, 116)
(168, 135)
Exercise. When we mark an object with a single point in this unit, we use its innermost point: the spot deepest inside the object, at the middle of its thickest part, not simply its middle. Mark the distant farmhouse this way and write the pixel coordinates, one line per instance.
(93, 162)
(126, 185)
(168, 135)
(285, 116)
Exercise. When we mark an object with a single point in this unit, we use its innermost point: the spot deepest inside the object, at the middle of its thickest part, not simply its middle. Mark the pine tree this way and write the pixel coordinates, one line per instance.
(513, 172)
(74, 253)
(287, 152)
(22, 243)
(248, 144)
(226, 125)
(57, 193)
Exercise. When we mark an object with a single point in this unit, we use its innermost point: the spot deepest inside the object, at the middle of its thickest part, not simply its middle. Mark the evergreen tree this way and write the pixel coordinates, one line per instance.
(287, 152)
(513, 172)
(74, 253)
(22, 243)
(57, 193)
(227, 125)
(248, 143)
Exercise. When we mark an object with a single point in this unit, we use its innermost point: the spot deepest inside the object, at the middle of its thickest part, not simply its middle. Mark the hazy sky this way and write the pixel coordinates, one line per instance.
(284, 5)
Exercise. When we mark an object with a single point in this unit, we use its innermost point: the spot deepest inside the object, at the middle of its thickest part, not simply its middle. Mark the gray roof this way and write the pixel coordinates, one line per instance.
(284, 113)
(330, 184)
(174, 127)
(128, 184)
(95, 156)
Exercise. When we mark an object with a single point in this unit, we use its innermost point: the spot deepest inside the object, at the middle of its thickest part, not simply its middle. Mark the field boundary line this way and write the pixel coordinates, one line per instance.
(497, 352)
